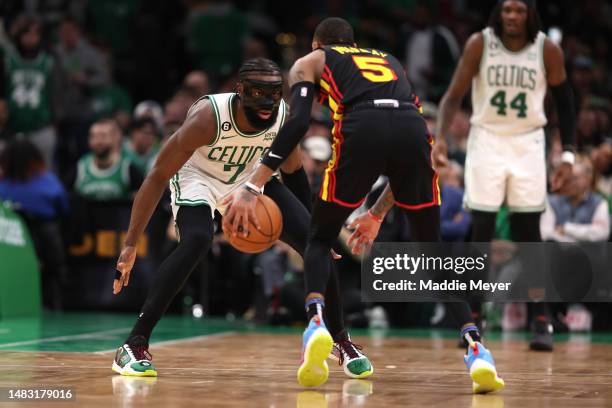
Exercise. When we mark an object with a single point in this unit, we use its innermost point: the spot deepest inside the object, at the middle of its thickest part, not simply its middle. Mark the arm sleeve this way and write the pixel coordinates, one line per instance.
(297, 182)
(564, 100)
(302, 95)
(597, 230)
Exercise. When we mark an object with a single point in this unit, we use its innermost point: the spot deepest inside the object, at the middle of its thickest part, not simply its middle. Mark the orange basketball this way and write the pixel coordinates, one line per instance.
(271, 223)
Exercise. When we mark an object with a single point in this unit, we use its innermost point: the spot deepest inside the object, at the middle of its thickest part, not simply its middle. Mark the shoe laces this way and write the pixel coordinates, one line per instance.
(348, 347)
(141, 351)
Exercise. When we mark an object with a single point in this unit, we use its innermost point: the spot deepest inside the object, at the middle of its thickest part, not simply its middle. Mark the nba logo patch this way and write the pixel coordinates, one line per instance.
(303, 91)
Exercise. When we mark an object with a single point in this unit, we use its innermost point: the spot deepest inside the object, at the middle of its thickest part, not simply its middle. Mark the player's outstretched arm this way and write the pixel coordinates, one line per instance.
(198, 129)
(366, 226)
(467, 69)
(554, 63)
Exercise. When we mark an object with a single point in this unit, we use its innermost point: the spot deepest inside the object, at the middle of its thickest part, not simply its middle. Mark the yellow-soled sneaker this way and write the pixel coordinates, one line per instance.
(134, 359)
(481, 367)
(317, 343)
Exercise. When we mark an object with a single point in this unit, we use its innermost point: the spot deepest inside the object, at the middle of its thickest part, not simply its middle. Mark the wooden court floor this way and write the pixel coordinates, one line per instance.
(255, 369)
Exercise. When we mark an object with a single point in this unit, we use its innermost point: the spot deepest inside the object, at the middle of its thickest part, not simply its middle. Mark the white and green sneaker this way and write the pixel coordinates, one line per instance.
(352, 360)
(133, 358)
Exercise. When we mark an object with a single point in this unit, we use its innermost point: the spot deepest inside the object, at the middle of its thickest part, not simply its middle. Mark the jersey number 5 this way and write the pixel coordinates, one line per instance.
(374, 69)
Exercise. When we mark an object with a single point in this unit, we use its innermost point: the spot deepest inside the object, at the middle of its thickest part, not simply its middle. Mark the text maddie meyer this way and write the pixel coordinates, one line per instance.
(453, 285)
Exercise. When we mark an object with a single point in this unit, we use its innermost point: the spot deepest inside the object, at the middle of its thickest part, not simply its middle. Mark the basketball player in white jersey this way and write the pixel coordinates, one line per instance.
(214, 153)
(510, 65)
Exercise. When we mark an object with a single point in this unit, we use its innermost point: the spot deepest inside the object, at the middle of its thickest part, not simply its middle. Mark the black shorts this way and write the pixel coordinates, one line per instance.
(371, 142)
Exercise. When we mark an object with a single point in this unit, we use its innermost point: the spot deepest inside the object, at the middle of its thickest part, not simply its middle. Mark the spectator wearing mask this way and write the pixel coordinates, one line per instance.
(106, 173)
(577, 214)
(39, 197)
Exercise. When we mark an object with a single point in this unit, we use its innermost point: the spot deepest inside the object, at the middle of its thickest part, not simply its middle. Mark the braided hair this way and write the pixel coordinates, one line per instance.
(258, 66)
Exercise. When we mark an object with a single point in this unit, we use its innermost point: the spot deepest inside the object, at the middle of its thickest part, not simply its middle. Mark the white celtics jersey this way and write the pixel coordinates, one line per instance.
(508, 92)
(228, 161)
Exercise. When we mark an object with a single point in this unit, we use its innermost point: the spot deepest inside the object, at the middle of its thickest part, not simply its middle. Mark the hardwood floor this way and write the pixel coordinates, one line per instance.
(252, 369)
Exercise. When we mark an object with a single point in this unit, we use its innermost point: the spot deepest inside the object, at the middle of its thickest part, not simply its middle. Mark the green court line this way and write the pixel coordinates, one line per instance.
(103, 332)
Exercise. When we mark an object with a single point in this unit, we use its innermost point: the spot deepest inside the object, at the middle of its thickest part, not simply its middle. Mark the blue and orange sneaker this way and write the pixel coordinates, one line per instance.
(481, 367)
(316, 346)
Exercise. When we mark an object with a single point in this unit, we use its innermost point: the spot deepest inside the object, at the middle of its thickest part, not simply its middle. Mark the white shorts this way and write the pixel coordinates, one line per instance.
(505, 169)
(190, 187)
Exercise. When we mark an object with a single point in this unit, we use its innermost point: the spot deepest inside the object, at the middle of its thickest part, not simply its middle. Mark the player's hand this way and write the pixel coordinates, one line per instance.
(561, 176)
(240, 212)
(439, 154)
(124, 267)
(366, 230)
(335, 256)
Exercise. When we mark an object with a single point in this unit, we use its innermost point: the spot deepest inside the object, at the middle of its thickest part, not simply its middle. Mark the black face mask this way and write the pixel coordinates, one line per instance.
(103, 154)
(260, 95)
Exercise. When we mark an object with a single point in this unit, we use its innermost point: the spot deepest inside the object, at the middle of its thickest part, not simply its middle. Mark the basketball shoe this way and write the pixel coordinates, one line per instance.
(481, 366)
(354, 363)
(317, 343)
(542, 334)
(133, 358)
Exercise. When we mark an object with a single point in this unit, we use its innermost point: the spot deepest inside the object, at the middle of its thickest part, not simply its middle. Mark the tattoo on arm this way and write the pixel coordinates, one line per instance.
(385, 202)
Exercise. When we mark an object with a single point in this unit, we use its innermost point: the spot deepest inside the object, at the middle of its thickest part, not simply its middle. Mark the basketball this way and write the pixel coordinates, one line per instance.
(271, 222)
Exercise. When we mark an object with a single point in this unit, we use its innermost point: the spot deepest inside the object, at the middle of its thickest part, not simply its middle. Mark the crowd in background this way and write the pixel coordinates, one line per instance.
(90, 90)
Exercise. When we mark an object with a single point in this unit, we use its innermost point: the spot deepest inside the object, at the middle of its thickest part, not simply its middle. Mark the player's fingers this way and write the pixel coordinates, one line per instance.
(235, 224)
(127, 278)
(226, 224)
(254, 219)
(116, 287)
(245, 224)
(353, 224)
(353, 236)
(358, 244)
(335, 255)
(357, 248)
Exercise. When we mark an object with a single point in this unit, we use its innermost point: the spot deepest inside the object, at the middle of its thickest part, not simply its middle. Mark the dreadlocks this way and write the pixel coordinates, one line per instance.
(534, 24)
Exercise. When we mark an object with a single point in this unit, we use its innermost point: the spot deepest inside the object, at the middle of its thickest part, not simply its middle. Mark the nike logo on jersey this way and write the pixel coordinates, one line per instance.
(276, 156)
(228, 137)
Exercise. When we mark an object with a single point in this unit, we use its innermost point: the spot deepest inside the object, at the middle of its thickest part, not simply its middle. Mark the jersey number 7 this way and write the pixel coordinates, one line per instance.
(374, 69)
